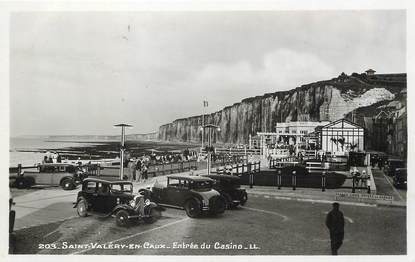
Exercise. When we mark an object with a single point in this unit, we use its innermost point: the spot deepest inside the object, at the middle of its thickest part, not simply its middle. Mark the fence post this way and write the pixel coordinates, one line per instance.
(294, 179)
(323, 181)
(279, 178)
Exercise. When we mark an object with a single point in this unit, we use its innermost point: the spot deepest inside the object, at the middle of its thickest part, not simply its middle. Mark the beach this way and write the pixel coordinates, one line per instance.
(27, 151)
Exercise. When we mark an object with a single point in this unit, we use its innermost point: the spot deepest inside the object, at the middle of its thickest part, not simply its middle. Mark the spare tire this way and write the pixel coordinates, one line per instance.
(217, 205)
(21, 183)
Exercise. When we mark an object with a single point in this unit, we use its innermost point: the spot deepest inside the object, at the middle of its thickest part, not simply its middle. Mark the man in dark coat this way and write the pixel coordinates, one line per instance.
(335, 223)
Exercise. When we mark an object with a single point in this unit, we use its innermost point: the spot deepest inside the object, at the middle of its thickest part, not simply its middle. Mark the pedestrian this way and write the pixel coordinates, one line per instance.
(144, 171)
(138, 170)
(335, 224)
(131, 169)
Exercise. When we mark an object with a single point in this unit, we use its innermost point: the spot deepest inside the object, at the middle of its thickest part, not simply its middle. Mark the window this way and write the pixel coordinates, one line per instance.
(174, 182)
(91, 186)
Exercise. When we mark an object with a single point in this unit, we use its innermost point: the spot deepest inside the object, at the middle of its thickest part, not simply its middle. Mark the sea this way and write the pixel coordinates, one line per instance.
(26, 144)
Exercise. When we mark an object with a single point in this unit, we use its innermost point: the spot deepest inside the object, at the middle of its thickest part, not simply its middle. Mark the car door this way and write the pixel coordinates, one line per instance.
(58, 175)
(175, 193)
(101, 200)
(45, 177)
(171, 192)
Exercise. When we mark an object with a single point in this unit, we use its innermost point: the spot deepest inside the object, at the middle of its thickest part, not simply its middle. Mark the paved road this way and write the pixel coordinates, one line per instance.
(265, 226)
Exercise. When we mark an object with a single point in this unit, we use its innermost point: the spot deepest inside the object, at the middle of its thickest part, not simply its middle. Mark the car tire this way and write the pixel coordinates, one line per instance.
(82, 207)
(192, 208)
(20, 183)
(154, 215)
(244, 198)
(67, 184)
(121, 218)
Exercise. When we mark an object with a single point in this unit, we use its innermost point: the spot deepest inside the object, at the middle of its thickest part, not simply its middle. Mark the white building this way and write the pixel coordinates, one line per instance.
(292, 133)
(341, 137)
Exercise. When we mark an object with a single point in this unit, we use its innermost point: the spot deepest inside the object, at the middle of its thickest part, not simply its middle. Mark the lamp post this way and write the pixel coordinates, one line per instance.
(122, 149)
(209, 127)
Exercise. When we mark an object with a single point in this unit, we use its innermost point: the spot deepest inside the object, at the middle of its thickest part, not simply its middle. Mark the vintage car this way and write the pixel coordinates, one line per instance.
(108, 198)
(68, 176)
(12, 236)
(192, 193)
(230, 188)
(400, 178)
(392, 164)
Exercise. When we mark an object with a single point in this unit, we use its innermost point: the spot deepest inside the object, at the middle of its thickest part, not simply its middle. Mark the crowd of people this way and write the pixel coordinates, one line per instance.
(52, 157)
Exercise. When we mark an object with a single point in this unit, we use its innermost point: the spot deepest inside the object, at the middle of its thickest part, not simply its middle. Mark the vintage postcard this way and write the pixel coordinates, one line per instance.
(208, 132)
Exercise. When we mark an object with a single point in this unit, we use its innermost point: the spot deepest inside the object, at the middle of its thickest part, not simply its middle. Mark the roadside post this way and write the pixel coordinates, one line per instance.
(368, 185)
(354, 182)
(323, 181)
(251, 179)
(279, 178)
(19, 169)
(294, 179)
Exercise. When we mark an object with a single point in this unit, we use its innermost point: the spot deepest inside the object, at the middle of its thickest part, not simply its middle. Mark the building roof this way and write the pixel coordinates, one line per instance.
(342, 121)
(370, 71)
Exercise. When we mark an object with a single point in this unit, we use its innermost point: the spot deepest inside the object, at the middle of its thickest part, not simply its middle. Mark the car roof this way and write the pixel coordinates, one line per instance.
(106, 181)
(192, 178)
(223, 177)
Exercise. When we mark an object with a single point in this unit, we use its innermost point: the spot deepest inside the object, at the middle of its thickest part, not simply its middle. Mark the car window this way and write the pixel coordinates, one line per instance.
(91, 186)
(103, 189)
(174, 182)
(121, 188)
(201, 185)
(184, 184)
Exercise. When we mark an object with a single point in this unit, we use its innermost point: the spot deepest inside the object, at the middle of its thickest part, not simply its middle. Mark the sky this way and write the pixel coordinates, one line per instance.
(74, 73)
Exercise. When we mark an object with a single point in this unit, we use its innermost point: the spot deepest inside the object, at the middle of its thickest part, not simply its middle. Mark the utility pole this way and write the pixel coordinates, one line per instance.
(122, 149)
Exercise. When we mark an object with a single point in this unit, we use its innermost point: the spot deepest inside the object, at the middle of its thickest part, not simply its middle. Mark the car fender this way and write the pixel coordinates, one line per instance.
(126, 207)
(154, 205)
(66, 177)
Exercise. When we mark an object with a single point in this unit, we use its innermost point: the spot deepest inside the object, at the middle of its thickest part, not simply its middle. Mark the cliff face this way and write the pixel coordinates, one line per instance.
(325, 100)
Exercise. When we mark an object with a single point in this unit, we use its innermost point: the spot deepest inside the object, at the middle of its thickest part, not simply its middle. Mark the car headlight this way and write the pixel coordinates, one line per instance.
(132, 203)
(147, 202)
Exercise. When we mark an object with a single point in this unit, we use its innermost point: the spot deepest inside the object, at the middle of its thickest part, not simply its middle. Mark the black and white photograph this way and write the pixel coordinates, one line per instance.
(207, 132)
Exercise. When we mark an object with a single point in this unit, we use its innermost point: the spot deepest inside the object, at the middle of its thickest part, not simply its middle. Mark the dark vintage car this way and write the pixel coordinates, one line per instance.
(392, 164)
(68, 176)
(12, 237)
(195, 194)
(230, 188)
(400, 178)
(108, 198)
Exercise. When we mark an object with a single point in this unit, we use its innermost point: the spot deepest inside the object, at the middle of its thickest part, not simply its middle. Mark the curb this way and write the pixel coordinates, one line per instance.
(316, 199)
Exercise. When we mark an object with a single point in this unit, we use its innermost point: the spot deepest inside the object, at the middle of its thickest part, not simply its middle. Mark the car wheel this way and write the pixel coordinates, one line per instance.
(154, 214)
(244, 198)
(68, 184)
(121, 218)
(192, 208)
(82, 207)
(21, 183)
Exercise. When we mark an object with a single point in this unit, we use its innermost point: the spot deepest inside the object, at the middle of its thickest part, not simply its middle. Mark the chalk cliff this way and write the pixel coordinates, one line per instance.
(323, 100)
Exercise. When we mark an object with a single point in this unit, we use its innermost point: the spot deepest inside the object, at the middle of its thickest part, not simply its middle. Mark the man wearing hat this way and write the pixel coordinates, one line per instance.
(335, 224)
